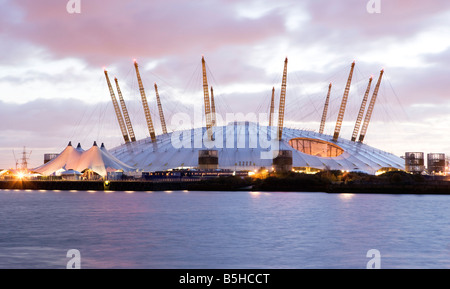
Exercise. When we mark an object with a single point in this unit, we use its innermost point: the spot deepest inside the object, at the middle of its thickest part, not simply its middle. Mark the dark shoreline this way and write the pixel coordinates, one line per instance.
(428, 187)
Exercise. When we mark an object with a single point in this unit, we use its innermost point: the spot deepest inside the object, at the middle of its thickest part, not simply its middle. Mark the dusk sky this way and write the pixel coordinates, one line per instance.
(53, 90)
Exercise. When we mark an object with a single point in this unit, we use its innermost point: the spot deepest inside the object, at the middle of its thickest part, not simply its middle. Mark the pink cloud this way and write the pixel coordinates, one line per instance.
(398, 18)
(105, 31)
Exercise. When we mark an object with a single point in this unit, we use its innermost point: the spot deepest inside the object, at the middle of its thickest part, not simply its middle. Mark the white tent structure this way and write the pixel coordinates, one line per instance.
(66, 160)
(96, 159)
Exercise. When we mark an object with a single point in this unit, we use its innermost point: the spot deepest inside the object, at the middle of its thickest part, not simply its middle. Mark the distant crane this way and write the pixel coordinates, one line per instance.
(117, 110)
(337, 130)
(23, 161)
(370, 108)
(125, 112)
(282, 101)
(161, 113)
(206, 100)
(148, 116)
(361, 111)
(213, 109)
(272, 107)
(325, 110)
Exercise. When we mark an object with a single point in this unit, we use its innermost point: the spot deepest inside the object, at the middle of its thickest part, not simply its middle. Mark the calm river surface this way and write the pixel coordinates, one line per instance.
(222, 229)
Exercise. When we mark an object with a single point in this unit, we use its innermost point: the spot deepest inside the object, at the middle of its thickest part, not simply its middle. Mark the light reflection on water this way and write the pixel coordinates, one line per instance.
(222, 229)
(346, 196)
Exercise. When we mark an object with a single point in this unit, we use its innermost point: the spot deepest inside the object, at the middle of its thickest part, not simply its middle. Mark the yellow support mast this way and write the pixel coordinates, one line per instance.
(361, 111)
(161, 113)
(325, 110)
(117, 110)
(148, 116)
(125, 112)
(213, 109)
(282, 101)
(272, 107)
(206, 100)
(337, 130)
(370, 108)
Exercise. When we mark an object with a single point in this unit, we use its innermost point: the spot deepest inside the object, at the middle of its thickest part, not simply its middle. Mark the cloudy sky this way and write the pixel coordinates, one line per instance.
(53, 90)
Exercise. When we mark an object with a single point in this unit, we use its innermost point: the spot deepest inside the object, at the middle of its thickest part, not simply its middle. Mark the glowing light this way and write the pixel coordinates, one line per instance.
(346, 196)
(129, 192)
(20, 175)
(255, 194)
(379, 172)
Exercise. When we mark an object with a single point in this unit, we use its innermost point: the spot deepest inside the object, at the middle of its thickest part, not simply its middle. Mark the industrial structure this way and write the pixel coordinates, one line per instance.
(436, 163)
(414, 162)
(22, 164)
(48, 157)
(249, 145)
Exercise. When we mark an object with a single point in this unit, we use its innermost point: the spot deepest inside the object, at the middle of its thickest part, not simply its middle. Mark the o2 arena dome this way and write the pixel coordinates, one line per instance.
(249, 145)
(308, 151)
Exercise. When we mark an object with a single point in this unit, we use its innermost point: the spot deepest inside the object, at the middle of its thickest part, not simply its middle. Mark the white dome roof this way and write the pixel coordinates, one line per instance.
(245, 146)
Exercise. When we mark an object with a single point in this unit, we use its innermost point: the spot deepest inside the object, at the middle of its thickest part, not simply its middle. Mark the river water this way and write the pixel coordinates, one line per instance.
(222, 229)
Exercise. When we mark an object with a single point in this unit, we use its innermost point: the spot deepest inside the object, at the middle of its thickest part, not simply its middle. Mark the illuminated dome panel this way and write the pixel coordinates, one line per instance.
(315, 147)
(242, 147)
